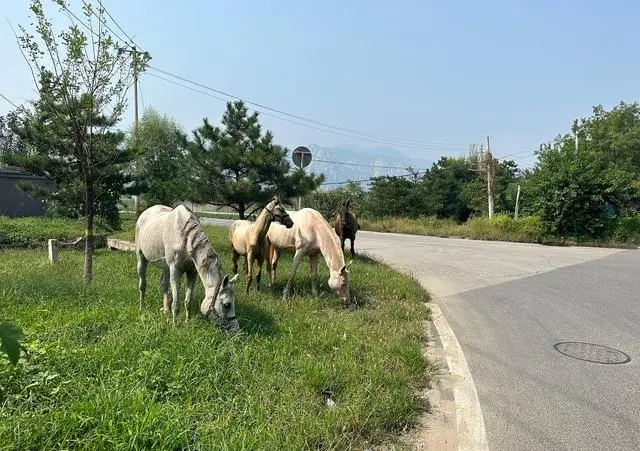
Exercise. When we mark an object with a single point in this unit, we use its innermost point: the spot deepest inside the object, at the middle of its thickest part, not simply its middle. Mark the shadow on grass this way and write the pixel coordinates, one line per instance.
(255, 321)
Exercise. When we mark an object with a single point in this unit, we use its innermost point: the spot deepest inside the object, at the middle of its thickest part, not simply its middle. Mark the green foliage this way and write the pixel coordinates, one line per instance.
(571, 191)
(10, 142)
(164, 176)
(82, 80)
(99, 373)
(500, 227)
(393, 196)
(444, 187)
(236, 165)
(10, 336)
(36, 231)
(328, 203)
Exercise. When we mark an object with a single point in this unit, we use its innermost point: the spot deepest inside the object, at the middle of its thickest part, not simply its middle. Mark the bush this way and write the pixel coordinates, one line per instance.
(627, 229)
(36, 231)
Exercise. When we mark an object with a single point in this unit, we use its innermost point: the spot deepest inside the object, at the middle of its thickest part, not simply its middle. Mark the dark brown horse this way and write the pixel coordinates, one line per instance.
(346, 226)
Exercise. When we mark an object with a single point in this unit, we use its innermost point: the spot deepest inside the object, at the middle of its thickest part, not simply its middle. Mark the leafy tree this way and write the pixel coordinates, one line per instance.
(236, 165)
(615, 136)
(10, 142)
(571, 190)
(328, 203)
(82, 81)
(48, 155)
(443, 188)
(164, 175)
(393, 196)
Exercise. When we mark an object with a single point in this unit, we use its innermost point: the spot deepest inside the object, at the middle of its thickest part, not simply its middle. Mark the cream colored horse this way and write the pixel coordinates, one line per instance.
(250, 238)
(311, 235)
(173, 240)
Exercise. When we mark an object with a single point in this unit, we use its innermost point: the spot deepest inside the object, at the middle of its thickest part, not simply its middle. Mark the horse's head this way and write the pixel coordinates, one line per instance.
(344, 210)
(339, 282)
(223, 305)
(278, 212)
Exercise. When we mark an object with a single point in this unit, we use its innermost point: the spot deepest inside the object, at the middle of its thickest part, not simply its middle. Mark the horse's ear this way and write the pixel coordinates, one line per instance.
(346, 205)
(225, 281)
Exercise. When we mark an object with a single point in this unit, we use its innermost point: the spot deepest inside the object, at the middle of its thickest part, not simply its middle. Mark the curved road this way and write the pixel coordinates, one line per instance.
(508, 304)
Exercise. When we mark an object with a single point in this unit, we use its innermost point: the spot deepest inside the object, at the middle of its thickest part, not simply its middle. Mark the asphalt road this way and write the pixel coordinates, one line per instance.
(508, 304)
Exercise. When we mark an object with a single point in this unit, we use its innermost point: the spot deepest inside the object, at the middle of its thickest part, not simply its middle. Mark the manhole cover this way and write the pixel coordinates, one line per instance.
(591, 352)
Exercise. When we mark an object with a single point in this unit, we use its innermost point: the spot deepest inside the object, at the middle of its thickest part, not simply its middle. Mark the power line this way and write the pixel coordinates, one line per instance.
(359, 164)
(362, 135)
(9, 101)
(345, 131)
(118, 25)
(369, 179)
(141, 98)
(262, 112)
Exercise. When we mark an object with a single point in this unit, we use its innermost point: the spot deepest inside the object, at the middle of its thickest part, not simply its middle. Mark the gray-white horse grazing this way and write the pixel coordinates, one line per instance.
(172, 239)
(250, 238)
(310, 235)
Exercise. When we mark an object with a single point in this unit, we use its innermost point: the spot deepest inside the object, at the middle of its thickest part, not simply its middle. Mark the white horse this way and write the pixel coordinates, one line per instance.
(172, 239)
(250, 238)
(310, 235)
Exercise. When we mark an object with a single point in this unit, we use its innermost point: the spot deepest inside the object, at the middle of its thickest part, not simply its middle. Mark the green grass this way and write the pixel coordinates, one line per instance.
(101, 375)
(32, 232)
(501, 228)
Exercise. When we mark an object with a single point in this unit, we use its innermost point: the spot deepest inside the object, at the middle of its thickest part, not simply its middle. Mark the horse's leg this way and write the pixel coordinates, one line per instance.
(234, 260)
(174, 277)
(142, 275)
(260, 260)
(342, 240)
(273, 257)
(313, 263)
(249, 268)
(297, 258)
(353, 252)
(164, 289)
(192, 275)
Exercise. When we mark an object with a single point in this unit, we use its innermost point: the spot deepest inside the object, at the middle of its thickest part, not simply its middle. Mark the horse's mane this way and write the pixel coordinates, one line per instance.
(196, 242)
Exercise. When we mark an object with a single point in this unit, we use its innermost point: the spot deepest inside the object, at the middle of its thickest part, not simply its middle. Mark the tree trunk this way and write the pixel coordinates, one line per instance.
(88, 250)
(241, 210)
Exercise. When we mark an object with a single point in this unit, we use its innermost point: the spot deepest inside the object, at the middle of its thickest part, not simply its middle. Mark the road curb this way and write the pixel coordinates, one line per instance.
(469, 420)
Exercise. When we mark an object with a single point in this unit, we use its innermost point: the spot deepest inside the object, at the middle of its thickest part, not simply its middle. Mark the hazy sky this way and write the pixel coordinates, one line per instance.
(445, 74)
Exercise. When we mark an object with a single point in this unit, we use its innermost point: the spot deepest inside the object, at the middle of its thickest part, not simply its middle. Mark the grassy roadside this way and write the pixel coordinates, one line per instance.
(499, 228)
(101, 374)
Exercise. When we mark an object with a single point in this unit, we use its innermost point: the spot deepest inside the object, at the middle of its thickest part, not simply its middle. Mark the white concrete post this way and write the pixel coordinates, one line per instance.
(53, 251)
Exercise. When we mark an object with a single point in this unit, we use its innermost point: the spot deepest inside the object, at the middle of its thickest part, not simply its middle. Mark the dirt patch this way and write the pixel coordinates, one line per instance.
(438, 428)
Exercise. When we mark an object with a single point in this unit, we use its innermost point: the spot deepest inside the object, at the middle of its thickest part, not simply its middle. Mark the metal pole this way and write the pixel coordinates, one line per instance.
(136, 198)
(489, 162)
(515, 214)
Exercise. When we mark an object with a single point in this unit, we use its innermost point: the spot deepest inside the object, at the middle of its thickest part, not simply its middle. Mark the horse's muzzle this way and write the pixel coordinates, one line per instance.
(288, 222)
(232, 324)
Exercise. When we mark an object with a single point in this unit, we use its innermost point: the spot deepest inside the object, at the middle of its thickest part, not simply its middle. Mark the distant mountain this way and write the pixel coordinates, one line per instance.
(362, 163)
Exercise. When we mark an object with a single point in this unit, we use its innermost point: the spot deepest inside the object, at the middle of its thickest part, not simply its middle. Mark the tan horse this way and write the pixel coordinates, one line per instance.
(250, 238)
(311, 235)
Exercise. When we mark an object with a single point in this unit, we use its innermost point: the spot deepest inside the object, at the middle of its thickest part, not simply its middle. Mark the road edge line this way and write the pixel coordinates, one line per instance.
(469, 419)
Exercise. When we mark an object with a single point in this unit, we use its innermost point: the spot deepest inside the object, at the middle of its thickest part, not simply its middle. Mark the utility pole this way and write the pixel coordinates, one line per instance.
(133, 51)
(515, 214)
(489, 168)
